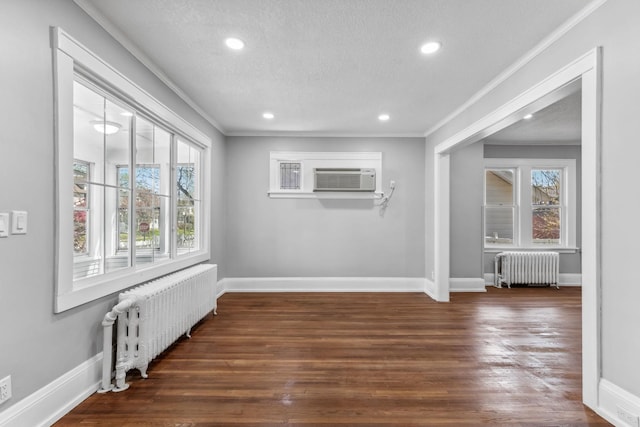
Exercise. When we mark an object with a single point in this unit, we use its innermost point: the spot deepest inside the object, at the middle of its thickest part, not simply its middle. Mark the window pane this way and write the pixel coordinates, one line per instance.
(80, 207)
(188, 198)
(148, 243)
(123, 207)
(499, 187)
(545, 186)
(87, 236)
(153, 187)
(546, 225)
(499, 225)
(80, 235)
(153, 148)
(101, 143)
(289, 176)
(186, 226)
(116, 253)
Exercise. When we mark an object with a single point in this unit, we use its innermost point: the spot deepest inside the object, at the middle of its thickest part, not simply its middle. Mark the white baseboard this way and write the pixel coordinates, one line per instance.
(617, 405)
(467, 284)
(53, 401)
(566, 279)
(321, 284)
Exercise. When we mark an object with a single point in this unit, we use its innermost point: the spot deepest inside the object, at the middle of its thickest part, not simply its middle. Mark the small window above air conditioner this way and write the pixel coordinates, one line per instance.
(344, 179)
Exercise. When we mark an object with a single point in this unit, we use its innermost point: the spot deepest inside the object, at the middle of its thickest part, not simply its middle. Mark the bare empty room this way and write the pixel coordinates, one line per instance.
(306, 212)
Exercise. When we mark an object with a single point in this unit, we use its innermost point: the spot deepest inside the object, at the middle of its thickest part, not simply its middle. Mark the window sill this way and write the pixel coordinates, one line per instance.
(324, 195)
(560, 249)
(92, 288)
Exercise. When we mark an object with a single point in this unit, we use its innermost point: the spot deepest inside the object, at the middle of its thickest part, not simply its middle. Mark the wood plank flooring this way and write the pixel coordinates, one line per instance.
(508, 357)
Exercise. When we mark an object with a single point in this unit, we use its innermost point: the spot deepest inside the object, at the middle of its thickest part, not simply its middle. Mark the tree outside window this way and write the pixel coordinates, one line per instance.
(546, 205)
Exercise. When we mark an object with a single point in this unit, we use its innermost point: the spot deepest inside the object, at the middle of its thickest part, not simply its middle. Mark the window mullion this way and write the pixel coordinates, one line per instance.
(132, 191)
(103, 208)
(173, 198)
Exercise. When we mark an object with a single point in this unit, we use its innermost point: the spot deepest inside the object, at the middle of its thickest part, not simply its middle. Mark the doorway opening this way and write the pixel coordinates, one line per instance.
(586, 71)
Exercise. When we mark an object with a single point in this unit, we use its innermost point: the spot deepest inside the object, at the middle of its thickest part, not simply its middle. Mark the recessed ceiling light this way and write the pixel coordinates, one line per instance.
(431, 47)
(233, 43)
(268, 115)
(127, 114)
(528, 116)
(383, 117)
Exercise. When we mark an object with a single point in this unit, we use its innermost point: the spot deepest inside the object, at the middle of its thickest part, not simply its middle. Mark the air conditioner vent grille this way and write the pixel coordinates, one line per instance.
(344, 179)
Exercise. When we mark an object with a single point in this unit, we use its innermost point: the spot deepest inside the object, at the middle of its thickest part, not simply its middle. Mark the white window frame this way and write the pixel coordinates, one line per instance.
(310, 160)
(71, 57)
(522, 233)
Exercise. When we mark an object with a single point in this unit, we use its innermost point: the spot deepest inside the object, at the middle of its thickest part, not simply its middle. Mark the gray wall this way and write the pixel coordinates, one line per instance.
(36, 345)
(318, 238)
(616, 27)
(569, 262)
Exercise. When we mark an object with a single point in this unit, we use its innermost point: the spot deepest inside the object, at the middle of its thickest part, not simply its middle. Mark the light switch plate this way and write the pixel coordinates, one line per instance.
(4, 224)
(19, 222)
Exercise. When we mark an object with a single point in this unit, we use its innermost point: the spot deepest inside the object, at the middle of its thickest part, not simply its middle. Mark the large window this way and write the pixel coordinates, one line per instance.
(130, 182)
(529, 203)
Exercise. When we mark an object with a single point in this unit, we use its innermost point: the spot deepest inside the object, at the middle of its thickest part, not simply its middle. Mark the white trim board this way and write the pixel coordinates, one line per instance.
(617, 404)
(321, 284)
(56, 399)
(566, 279)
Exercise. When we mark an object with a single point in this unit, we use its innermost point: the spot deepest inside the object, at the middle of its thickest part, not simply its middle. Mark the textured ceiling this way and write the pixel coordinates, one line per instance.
(330, 67)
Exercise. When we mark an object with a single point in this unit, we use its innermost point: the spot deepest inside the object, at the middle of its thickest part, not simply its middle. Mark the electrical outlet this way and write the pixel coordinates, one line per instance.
(5, 389)
(628, 418)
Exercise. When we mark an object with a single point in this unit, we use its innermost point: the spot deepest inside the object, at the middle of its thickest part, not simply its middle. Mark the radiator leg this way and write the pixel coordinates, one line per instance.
(106, 358)
(188, 334)
(121, 376)
(143, 371)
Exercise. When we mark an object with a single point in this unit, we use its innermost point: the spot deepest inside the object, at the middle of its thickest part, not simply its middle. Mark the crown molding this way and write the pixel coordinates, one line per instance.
(119, 36)
(312, 134)
(520, 63)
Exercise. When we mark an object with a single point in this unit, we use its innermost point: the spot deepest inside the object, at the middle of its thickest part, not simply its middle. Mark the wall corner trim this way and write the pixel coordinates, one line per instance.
(430, 289)
(47, 405)
(613, 397)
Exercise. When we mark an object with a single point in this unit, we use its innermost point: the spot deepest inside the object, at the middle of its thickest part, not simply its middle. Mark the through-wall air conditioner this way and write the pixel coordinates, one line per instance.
(344, 179)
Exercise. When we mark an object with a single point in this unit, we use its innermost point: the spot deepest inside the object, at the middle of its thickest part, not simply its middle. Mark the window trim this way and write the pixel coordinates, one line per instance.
(522, 201)
(71, 57)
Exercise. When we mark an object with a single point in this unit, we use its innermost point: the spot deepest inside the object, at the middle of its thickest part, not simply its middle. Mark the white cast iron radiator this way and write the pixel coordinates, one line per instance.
(152, 316)
(527, 268)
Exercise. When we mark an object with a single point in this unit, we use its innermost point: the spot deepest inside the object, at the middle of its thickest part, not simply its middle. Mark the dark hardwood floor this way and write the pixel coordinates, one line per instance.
(508, 357)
